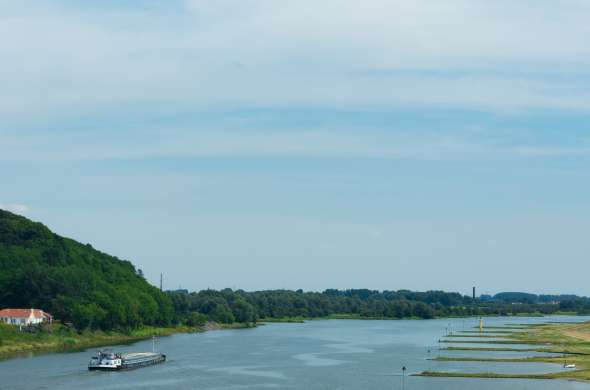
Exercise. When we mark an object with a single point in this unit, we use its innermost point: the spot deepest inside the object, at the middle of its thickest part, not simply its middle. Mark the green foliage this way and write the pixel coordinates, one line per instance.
(196, 319)
(227, 306)
(74, 282)
(243, 311)
(220, 312)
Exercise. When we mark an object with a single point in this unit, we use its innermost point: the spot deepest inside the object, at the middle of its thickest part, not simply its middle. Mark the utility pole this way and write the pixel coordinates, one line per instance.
(473, 304)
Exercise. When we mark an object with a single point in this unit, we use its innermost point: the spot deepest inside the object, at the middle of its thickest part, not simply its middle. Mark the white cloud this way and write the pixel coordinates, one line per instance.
(15, 208)
(201, 54)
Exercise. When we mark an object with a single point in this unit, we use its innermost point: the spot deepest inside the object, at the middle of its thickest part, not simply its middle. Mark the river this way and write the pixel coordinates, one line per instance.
(326, 354)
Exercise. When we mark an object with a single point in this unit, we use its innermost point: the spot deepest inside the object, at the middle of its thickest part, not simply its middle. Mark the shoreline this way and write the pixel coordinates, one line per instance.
(301, 319)
(64, 340)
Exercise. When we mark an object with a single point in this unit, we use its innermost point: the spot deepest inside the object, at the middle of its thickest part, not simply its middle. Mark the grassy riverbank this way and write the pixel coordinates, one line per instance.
(344, 316)
(572, 340)
(61, 338)
(298, 320)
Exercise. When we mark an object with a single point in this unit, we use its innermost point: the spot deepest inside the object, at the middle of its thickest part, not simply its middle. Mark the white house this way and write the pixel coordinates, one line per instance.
(24, 316)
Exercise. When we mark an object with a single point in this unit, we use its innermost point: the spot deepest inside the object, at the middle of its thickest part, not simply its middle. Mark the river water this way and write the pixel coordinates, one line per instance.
(332, 354)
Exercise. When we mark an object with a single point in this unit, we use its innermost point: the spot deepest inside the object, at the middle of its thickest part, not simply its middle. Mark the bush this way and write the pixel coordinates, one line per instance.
(196, 319)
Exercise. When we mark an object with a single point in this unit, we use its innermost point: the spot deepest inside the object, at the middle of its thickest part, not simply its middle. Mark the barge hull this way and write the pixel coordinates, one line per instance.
(132, 365)
(129, 362)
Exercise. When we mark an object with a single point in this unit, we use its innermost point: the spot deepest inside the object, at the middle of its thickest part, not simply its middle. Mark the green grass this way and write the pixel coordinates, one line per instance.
(530, 359)
(566, 313)
(488, 375)
(507, 327)
(489, 342)
(60, 338)
(491, 349)
(343, 316)
(483, 336)
(489, 331)
(284, 319)
(569, 339)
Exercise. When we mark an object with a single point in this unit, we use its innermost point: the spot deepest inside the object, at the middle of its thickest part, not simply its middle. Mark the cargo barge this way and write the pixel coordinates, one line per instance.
(109, 361)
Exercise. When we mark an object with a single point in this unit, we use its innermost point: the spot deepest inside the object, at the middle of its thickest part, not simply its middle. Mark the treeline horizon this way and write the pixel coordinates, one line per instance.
(227, 305)
(89, 289)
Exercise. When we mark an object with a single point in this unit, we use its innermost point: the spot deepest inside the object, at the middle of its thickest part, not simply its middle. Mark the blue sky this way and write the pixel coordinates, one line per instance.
(255, 144)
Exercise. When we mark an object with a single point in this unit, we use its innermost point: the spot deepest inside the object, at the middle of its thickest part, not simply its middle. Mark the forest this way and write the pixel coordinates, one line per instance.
(89, 289)
(227, 306)
(73, 281)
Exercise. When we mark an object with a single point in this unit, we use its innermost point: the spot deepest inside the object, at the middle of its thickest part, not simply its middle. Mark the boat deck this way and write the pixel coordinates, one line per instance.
(139, 355)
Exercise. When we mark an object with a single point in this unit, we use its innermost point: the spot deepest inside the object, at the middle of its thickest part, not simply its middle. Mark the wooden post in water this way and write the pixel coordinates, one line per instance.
(403, 377)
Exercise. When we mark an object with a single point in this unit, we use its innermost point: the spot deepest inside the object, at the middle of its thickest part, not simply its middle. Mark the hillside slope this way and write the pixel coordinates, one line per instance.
(73, 281)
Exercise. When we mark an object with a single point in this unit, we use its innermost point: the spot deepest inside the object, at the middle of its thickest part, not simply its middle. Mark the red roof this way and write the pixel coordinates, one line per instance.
(23, 313)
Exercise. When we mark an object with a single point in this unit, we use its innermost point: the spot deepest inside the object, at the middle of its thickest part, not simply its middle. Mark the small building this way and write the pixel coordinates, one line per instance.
(24, 316)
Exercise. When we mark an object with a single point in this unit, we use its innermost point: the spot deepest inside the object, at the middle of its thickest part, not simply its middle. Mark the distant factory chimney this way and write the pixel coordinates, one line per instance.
(474, 293)
(161, 283)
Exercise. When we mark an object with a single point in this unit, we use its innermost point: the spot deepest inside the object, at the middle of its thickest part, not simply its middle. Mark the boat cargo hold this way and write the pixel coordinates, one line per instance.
(109, 361)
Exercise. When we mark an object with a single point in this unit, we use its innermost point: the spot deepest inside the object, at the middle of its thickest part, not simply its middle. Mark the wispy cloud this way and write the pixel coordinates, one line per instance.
(70, 57)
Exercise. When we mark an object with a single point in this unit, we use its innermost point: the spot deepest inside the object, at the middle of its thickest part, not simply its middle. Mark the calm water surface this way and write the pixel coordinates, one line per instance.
(316, 355)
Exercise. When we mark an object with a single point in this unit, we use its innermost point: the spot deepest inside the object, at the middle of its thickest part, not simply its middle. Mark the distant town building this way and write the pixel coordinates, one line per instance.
(24, 316)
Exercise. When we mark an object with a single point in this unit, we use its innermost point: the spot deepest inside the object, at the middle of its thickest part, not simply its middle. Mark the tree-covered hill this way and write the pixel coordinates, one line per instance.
(73, 281)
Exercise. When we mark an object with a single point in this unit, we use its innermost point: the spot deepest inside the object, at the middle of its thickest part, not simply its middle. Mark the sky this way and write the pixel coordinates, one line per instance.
(257, 144)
